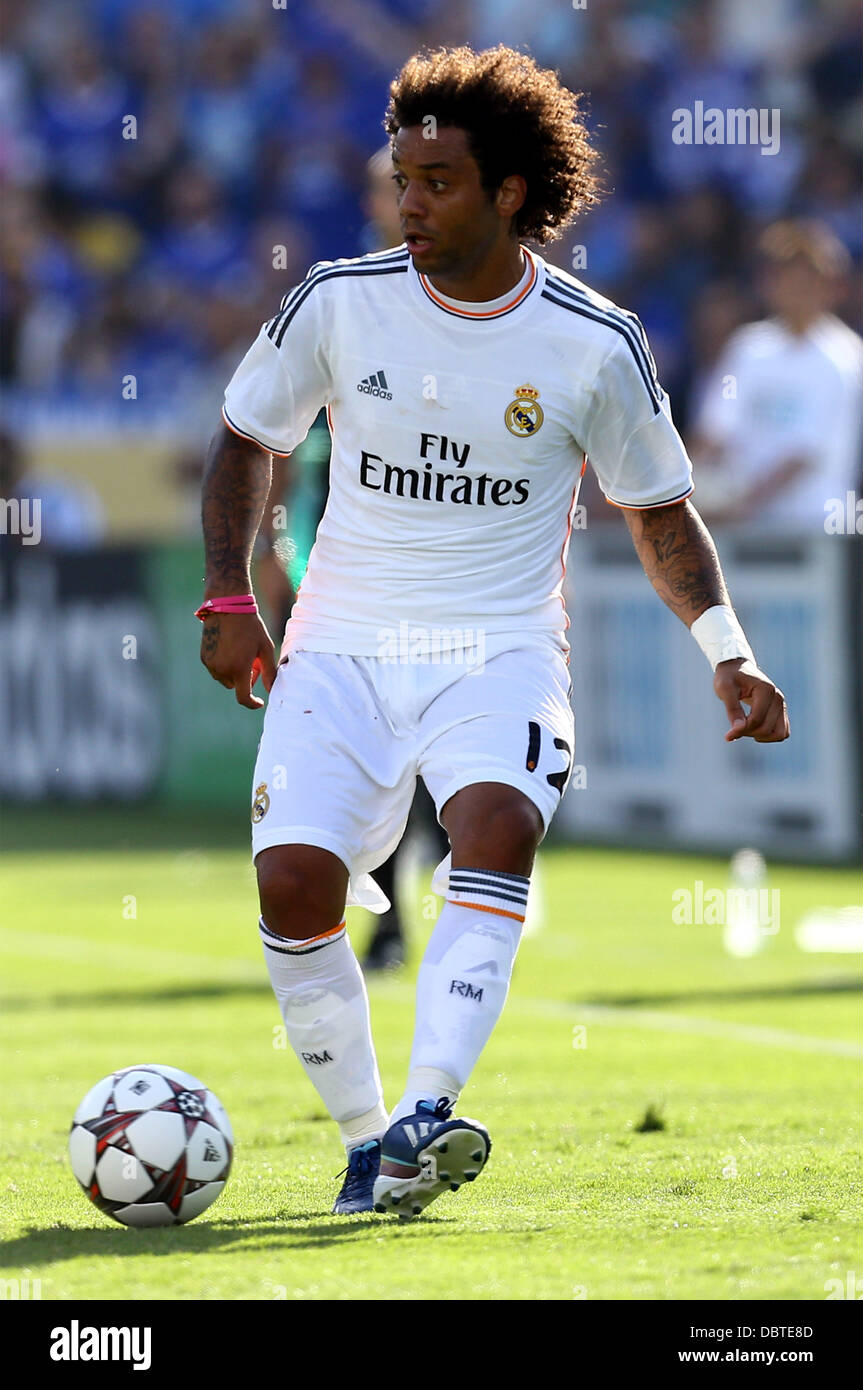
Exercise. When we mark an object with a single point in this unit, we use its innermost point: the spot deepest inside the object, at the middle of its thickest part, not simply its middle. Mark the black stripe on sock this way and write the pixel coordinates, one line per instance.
(496, 873)
(488, 885)
(284, 951)
(490, 893)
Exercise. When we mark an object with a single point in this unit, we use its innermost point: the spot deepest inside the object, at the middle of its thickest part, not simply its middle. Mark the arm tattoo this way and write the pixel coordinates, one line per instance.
(236, 485)
(210, 637)
(679, 558)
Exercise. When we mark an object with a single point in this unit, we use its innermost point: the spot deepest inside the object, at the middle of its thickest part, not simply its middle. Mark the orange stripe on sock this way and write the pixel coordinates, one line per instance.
(331, 931)
(481, 907)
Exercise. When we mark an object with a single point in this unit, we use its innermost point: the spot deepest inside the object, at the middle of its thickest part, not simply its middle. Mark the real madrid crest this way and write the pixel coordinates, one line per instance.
(261, 803)
(524, 414)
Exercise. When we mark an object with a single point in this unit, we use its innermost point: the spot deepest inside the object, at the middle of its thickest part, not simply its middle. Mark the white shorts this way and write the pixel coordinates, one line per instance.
(345, 738)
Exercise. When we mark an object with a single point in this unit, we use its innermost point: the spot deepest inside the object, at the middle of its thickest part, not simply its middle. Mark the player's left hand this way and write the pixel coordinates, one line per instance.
(741, 681)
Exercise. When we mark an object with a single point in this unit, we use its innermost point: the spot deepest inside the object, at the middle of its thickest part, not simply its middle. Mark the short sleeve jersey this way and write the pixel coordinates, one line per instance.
(459, 432)
(777, 396)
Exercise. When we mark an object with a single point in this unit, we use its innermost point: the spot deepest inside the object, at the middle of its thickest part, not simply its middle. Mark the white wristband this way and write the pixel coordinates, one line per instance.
(720, 636)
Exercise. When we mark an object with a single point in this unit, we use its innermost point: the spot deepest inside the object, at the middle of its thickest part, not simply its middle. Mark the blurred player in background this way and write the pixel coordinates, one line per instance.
(778, 434)
(383, 228)
(465, 380)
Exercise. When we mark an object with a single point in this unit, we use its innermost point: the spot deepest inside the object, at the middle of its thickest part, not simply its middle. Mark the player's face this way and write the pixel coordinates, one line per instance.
(795, 289)
(448, 220)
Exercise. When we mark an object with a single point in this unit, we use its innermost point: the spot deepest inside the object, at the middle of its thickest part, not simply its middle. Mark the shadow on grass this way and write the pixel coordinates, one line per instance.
(36, 1248)
(796, 989)
(146, 998)
(199, 993)
(41, 829)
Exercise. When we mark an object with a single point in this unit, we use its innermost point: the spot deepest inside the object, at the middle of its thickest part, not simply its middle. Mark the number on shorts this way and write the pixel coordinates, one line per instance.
(534, 740)
(558, 779)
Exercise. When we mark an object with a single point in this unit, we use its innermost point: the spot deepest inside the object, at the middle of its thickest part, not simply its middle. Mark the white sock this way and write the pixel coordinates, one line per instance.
(322, 998)
(463, 981)
(425, 1083)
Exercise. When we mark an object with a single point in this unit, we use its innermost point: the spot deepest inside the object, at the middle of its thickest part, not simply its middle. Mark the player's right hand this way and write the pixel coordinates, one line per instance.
(236, 648)
(767, 721)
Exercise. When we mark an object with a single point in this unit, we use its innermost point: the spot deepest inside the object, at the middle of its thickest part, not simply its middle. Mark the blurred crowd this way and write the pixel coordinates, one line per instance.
(155, 152)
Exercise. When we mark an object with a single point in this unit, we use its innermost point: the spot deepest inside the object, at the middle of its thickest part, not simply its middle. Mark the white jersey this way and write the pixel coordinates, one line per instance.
(459, 432)
(776, 396)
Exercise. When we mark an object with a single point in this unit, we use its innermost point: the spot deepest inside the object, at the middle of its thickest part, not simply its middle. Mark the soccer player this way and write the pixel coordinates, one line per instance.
(780, 422)
(386, 948)
(465, 380)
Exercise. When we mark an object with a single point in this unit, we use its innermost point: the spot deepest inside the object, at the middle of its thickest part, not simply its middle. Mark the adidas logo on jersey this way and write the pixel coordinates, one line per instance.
(375, 385)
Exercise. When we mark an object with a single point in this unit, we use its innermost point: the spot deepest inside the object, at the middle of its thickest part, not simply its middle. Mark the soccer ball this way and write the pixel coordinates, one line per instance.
(151, 1146)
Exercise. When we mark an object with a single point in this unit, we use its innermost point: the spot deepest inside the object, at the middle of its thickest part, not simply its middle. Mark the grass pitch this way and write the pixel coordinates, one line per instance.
(668, 1122)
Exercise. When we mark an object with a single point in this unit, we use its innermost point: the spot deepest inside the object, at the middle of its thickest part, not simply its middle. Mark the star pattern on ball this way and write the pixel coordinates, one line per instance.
(151, 1145)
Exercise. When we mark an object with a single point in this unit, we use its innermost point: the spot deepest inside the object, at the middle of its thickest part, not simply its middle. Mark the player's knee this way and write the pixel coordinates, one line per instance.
(301, 895)
(505, 837)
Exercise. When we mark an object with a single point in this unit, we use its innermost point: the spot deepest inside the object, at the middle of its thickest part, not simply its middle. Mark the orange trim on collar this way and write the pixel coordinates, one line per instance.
(450, 305)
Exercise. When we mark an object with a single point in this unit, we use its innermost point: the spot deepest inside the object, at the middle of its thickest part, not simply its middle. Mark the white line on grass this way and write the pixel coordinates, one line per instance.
(241, 970)
(656, 1021)
(119, 953)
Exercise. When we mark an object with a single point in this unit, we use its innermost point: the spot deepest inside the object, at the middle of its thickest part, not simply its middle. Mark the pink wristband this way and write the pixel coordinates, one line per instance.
(231, 603)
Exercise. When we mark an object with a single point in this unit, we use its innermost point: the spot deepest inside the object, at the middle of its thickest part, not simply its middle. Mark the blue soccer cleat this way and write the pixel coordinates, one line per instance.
(425, 1154)
(357, 1189)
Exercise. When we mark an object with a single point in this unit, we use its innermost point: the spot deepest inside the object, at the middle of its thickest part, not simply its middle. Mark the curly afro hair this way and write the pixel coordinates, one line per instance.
(519, 119)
